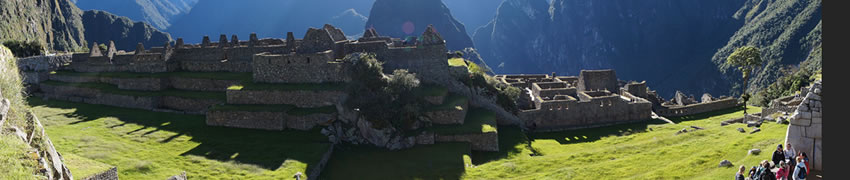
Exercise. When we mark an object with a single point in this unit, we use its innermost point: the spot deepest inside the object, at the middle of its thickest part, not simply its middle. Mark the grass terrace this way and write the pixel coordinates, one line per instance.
(113, 89)
(156, 145)
(289, 109)
(451, 102)
(477, 121)
(82, 167)
(289, 86)
(431, 90)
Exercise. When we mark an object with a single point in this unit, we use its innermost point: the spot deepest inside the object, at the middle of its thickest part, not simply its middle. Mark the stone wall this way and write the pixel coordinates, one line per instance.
(572, 113)
(677, 111)
(448, 116)
(300, 68)
(300, 98)
(267, 120)
(479, 142)
(111, 174)
(428, 62)
(152, 84)
(216, 66)
(94, 96)
(45, 63)
(591, 80)
(805, 132)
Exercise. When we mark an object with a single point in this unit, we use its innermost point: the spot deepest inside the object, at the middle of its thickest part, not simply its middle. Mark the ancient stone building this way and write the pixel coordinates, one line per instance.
(805, 132)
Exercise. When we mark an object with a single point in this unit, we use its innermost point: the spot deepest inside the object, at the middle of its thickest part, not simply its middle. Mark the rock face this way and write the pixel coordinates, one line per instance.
(805, 132)
(403, 18)
(725, 163)
(55, 24)
(102, 27)
(158, 13)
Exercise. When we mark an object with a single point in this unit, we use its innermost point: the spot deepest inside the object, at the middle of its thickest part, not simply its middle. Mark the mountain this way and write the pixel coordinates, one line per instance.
(101, 27)
(406, 18)
(473, 13)
(787, 32)
(666, 43)
(56, 24)
(266, 18)
(159, 13)
(350, 19)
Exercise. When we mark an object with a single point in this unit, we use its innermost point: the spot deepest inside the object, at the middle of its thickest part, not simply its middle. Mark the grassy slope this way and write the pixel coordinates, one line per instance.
(152, 145)
(630, 151)
(14, 159)
(13, 151)
(477, 121)
(82, 167)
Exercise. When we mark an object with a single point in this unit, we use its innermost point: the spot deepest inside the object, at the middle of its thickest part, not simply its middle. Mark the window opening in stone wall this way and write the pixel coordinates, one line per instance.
(308, 60)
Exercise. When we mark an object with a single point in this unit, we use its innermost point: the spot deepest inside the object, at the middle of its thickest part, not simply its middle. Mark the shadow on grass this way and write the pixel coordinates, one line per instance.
(512, 141)
(594, 134)
(266, 149)
(704, 115)
(437, 161)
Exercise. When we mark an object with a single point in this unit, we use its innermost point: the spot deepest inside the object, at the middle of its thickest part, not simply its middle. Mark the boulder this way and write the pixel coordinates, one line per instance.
(741, 130)
(725, 163)
(755, 130)
(754, 151)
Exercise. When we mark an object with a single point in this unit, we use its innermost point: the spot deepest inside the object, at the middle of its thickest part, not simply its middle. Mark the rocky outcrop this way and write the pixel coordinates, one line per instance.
(402, 19)
(102, 27)
(158, 13)
(55, 24)
(805, 132)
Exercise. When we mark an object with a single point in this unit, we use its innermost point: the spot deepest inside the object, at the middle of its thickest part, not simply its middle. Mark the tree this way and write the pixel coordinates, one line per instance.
(747, 59)
(23, 48)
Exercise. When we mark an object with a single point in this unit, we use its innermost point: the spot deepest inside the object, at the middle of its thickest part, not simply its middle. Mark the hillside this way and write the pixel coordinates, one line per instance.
(666, 43)
(55, 24)
(787, 32)
(101, 27)
(158, 13)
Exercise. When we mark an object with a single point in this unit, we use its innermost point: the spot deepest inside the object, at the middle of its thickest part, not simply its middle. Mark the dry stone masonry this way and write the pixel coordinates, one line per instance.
(805, 132)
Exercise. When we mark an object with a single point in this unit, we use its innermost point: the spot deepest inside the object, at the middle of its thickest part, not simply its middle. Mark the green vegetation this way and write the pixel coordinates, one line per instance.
(24, 49)
(790, 83)
(450, 102)
(438, 161)
(82, 167)
(289, 86)
(477, 121)
(506, 95)
(431, 90)
(16, 162)
(384, 100)
(646, 150)
(289, 109)
(112, 89)
(747, 59)
(156, 145)
(472, 67)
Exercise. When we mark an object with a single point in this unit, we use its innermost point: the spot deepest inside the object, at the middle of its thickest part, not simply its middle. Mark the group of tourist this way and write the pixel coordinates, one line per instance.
(792, 165)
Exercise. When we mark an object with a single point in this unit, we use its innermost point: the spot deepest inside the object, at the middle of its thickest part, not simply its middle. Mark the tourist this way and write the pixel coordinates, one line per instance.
(790, 153)
(740, 174)
(752, 174)
(782, 173)
(778, 155)
(801, 171)
(764, 172)
(805, 161)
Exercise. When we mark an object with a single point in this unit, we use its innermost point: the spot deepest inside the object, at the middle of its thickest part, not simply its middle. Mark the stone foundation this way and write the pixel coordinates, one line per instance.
(479, 142)
(300, 98)
(805, 132)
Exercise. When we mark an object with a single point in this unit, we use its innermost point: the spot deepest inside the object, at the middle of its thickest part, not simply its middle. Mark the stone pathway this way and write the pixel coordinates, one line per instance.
(656, 116)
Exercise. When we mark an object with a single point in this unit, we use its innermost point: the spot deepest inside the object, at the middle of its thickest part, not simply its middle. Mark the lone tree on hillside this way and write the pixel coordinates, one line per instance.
(747, 59)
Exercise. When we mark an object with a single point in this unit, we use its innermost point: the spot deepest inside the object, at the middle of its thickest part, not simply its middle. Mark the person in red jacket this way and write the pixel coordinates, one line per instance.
(806, 161)
(782, 173)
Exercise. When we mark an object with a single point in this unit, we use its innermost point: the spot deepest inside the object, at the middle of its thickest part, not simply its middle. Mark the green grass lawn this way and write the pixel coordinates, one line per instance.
(438, 161)
(477, 121)
(82, 167)
(113, 89)
(450, 102)
(155, 145)
(15, 162)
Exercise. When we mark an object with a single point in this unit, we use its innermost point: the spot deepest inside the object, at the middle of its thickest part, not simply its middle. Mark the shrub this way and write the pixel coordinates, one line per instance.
(24, 49)
(384, 101)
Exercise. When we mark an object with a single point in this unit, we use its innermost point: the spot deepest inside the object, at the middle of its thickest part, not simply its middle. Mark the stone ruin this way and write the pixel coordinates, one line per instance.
(805, 132)
(595, 98)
